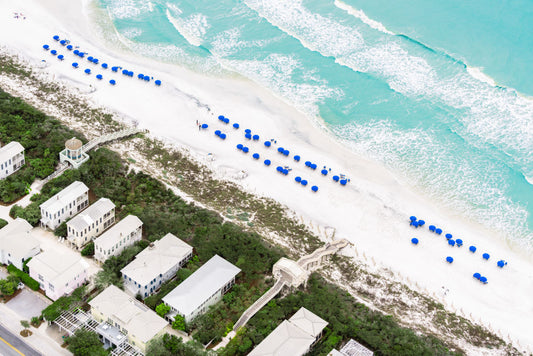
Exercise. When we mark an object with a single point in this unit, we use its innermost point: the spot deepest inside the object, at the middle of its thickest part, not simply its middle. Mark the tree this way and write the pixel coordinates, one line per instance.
(88, 250)
(162, 309)
(2, 223)
(61, 230)
(7, 286)
(25, 324)
(179, 323)
(85, 343)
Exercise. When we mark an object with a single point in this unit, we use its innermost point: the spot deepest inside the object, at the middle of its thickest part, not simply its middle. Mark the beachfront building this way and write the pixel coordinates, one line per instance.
(64, 205)
(73, 153)
(11, 158)
(111, 243)
(205, 287)
(91, 222)
(57, 273)
(352, 348)
(121, 314)
(17, 244)
(293, 337)
(155, 265)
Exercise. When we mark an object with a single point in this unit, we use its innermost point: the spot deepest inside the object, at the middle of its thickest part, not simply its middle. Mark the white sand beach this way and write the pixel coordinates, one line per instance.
(372, 210)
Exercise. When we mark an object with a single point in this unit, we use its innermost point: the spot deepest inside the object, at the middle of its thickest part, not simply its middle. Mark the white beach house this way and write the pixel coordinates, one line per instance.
(57, 273)
(156, 264)
(64, 205)
(203, 288)
(17, 244)
(11, 158)
(125, 233)
(138, 322)
(91, 222)
(293, 337)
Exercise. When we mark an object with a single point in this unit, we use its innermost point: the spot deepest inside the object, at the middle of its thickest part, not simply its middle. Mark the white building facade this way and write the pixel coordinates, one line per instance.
(64, 205)
(205, 287)
(155, 265)
(91, 222)
(17, 244)
(11, 158)
(111, 243)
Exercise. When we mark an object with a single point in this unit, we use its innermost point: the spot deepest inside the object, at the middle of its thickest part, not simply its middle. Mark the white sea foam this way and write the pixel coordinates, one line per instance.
(125, 9)
(360, 14)
(192, 28)
(479, 75)
(132, 32)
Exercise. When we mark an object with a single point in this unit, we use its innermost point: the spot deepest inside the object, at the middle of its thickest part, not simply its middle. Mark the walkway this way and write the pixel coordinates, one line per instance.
(110, 137)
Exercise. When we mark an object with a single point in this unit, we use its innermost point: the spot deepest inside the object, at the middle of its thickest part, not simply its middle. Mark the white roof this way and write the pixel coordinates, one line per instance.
(136, 317)
(123, 228)
(64, 197)
(91, 214)
(292, 337)
(200, 285)
(353, 348)
(285, 340)
(16, 238)
(10, 150)
(308, 322)
(157, 259)
(58, 268)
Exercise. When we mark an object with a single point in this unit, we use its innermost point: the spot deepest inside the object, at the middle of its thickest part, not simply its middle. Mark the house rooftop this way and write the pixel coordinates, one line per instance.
(123, 227)
(202, 284)
(16, 237)
(56, 267)
(10, 150)
(64, 197)
(140, 321)
(88, 216)
(157, 259)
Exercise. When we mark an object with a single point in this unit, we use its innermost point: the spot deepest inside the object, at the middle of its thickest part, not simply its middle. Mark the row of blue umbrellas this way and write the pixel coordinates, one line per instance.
(480, 278)
(221, 135)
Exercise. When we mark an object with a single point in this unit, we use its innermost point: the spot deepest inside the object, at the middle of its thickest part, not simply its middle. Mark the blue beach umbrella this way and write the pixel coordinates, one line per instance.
(281, 149)
(255, 155)
(459, 242)
(248, 136)
(285, 171)
(314, 188)
(95, 60)
(307, 163)
(477, 275)
(343, 181)
(235, 125)
(335, 178)
(449, 259)
(76, 52)
(140, 76)
(75, 65)
(286, 152)
(245, 149)
(114, 69)
(313, 166)
(500, 263)
(146, 78)
(412, 218)
(239, 146)
(414, 223)
(60, 57)
(303, 182)
(221, 117)
(56, 37)
(46, 47)
(279, 169)
(472, 249)
(486, 256)
(421, 222)
(248, 131)
(69, 47)
(438, 231)
(414, 241)
(226, 120)
(297, 158)
(255, 137)
(90, 58)
(157, 82)
(63, 42)
(99, 77)
(298, 179)
(130, 73)
(88, 71)
(104, 65)
(205, 126)
(112, 82)
(81, 54)
(53, 52)
(324, 172)
(432, 228)
(448, 236)
(268, 143)
(218, 132)
(451, 242)
(267, 162)
(223, 136)
(483, 280)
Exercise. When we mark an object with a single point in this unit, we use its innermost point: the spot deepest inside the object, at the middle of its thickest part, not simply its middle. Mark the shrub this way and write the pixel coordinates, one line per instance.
(88, 250)
(2, 223)
(162, 309)
(24, 277)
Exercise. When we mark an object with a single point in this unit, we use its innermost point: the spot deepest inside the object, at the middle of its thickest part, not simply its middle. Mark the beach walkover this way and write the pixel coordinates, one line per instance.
(287, 273)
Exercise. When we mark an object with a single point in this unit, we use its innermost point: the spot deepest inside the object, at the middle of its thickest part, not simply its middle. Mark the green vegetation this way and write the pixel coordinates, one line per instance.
(25, 265)
(8, 286)
(346, 319)
(24, 277)
(42, 138)
(162, 309)
(179, 323)
(61, 230)
(2, 223)
(85, 343)
(75, 300)
(88, 250)
(170, 345)
(112, 266)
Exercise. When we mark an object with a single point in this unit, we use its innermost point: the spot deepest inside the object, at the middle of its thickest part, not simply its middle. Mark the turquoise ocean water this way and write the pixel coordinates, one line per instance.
(395, 82)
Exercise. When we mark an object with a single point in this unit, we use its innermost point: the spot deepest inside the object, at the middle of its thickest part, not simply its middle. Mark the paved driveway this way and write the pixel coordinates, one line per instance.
(28, 304)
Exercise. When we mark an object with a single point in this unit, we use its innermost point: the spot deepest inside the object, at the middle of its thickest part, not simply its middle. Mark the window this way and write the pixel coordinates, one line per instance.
(51, 287)
(40, 277)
